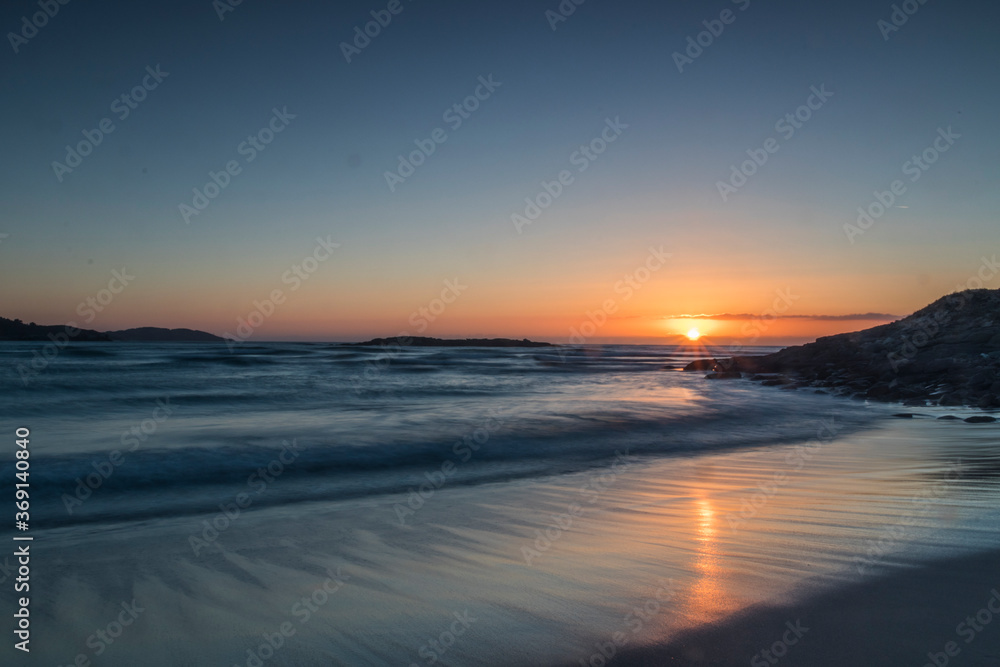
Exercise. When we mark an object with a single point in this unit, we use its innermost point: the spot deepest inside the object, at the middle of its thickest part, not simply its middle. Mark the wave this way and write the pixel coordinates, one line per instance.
(194, 479)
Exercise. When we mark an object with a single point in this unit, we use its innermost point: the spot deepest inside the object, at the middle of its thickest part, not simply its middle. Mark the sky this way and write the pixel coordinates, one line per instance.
(613, 171)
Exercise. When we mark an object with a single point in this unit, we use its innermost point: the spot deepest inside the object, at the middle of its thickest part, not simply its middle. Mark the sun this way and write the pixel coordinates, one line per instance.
(694, 334)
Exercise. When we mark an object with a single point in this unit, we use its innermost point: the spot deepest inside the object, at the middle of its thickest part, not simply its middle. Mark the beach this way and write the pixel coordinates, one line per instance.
(605, 506)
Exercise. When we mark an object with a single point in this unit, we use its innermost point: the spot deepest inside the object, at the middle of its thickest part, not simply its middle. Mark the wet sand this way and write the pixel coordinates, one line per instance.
(942, 613)
(690, 560)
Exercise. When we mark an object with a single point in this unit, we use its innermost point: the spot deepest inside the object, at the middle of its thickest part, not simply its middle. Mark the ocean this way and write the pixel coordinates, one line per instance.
(321, 504)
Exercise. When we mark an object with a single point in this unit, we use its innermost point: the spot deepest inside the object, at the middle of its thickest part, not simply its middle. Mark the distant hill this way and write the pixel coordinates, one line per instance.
(422, 341)
(19, 331)
(947, 353)
(157, 334)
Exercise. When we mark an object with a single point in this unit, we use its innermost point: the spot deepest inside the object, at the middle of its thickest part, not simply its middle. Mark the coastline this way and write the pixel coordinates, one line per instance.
(947, 354)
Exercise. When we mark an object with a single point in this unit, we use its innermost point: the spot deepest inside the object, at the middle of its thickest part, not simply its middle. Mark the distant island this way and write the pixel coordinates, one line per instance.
(16, 330)
(947, 354)
(423, 341)
(160, 335)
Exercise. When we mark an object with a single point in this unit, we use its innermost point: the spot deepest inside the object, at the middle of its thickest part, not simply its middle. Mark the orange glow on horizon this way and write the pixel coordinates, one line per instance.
(559, 312)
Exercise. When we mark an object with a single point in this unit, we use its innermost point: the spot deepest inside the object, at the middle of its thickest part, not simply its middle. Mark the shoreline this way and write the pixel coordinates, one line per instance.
(744, 368)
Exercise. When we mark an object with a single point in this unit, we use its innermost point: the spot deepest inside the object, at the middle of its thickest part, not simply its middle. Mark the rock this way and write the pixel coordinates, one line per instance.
(981, 380)
(880, 390)
(951, 399)
(950, 417)
(948, 352)
(701, 365)
(980, 419)
(904, 415)
(726, 375)
(988, 401)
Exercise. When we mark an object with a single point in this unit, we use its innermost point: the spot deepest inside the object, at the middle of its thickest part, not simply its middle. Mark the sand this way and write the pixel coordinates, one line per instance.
(942, 613)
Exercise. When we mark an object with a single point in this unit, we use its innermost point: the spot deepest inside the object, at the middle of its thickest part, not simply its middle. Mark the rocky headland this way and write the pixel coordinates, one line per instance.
(945, 354)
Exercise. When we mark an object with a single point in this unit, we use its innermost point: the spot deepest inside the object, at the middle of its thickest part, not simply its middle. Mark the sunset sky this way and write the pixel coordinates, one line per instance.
(598, 253)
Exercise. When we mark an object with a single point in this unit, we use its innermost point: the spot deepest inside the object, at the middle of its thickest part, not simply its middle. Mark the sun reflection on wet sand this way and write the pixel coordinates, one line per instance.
(706, 599)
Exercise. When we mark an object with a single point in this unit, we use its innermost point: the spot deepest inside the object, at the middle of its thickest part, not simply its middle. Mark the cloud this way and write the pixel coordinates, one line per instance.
(878, 317)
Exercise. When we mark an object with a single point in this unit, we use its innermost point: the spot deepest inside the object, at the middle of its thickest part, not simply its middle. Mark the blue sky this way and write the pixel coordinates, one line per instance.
(656, 185)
